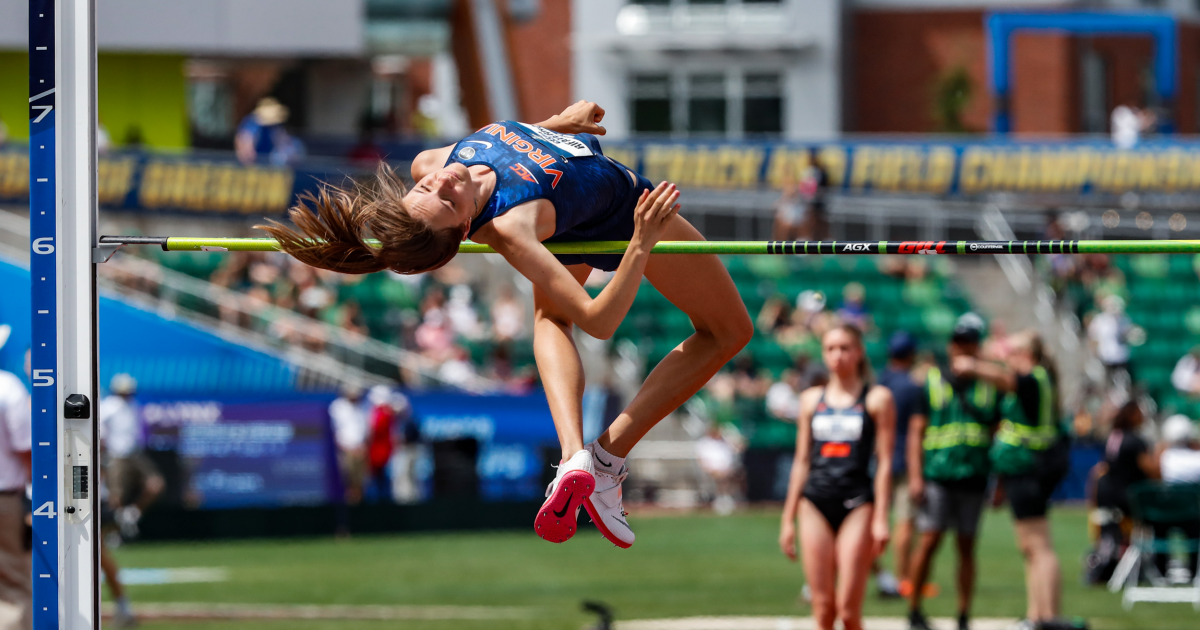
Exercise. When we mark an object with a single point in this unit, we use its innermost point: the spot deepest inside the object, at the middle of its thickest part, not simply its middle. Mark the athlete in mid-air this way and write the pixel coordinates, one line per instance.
(514, 186)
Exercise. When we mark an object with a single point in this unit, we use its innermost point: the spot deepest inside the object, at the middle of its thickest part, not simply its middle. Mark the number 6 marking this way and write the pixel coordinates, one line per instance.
(44, 245)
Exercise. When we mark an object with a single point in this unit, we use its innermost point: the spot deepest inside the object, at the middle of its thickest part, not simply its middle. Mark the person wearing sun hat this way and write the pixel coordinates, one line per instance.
(261, 136)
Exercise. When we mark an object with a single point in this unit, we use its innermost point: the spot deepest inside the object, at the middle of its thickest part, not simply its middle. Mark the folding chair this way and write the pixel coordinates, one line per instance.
(1157, 503)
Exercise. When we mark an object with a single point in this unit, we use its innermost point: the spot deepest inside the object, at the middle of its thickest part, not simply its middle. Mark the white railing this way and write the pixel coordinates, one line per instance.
(327, 353)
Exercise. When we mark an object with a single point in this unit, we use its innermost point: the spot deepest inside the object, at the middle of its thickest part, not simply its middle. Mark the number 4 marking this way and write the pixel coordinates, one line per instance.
(46, 509)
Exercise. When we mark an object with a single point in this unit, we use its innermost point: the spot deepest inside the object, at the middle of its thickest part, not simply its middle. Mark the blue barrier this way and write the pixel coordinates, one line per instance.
(164, 355)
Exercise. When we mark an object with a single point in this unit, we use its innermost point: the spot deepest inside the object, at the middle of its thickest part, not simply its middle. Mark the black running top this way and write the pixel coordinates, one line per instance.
(843, 442)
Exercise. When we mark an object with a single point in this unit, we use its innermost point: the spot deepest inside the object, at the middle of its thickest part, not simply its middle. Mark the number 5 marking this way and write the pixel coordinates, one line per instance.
(43, 378)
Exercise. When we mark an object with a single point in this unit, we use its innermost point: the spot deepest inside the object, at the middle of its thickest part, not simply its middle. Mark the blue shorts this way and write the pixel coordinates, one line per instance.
(618, 227)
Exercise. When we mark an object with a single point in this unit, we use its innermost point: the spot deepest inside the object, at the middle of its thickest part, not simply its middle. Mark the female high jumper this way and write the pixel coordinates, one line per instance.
(843, 511)
(514, 186)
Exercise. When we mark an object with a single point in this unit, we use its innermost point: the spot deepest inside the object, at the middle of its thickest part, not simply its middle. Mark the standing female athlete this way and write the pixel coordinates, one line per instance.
(843, 512)
(514, 186)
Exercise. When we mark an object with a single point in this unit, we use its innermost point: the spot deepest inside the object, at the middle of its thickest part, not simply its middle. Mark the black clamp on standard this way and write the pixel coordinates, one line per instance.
(77, 407)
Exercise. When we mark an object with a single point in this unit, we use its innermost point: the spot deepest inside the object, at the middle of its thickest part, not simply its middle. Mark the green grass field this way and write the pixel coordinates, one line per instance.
(681, 566)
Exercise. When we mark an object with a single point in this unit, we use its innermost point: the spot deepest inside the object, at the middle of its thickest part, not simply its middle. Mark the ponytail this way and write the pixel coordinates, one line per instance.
(333, 225)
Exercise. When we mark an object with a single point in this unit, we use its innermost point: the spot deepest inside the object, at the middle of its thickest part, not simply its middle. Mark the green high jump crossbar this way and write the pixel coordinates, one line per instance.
(110, 244)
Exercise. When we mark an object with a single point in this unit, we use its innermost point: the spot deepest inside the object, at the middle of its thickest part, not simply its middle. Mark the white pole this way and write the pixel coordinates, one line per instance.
(63, 215)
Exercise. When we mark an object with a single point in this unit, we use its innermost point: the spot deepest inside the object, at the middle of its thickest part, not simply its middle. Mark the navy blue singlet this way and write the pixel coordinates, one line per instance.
(593, 195)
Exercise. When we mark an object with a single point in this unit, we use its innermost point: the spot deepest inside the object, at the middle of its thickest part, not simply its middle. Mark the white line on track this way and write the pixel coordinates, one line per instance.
(794, 623)
(214, 611)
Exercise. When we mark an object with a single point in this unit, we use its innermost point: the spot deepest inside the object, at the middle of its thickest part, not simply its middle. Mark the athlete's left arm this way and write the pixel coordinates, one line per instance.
(582, 117)
(883, 410)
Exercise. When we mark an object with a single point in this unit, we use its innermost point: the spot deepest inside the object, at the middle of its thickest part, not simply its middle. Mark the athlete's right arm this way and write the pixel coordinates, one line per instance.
(429, 161)
(799, 476)
(515, 236)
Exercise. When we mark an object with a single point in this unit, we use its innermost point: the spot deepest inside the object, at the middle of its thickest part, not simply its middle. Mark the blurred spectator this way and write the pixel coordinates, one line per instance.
(719, 459)
(1128, 123)
(390, 410)
(1179, 459)
(897, 377)
(1186, 375)
(854, 307)
(3, 132)
(261, 136)
(133, 480)
(15, 444)
(508, 316)
(349, 415)
(791, 214)
(814, 186)
(464, 320)
(783, 397)
(1127, 460)
(1109, 331)
(435, 337)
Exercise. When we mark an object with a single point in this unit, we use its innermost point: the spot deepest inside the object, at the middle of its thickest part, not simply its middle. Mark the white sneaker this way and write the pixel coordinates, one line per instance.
(605, 507)
(572, 485)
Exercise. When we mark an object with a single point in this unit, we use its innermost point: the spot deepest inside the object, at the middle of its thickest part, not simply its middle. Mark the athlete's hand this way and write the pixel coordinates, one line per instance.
(582, 117)
(880, 535)
(654, 211)
(916, 491)
(787, 540)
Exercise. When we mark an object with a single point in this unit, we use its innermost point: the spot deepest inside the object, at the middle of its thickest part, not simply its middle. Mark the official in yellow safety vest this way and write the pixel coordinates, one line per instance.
(1031, 455)
(948, 467)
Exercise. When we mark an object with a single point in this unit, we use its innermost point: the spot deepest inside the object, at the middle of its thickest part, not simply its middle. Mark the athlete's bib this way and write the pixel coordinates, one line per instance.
(563, 144)
(837, 427)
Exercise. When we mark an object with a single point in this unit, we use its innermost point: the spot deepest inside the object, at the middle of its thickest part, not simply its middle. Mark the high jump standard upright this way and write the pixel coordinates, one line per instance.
(62, 222)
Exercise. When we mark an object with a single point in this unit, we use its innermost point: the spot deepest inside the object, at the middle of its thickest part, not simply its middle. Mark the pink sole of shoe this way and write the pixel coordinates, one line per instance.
(555, 521)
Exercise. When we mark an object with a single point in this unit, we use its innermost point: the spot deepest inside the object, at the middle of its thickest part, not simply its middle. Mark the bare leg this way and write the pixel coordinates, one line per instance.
(966, 573)
(559, 365)
(701, 287)
(1043, 578)
(112, 573)
(902, 550)
(854, 565)
(819, 556)
(919, 566)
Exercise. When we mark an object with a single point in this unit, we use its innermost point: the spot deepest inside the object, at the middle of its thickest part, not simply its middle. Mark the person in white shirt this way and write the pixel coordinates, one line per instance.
(1179, 460)
(15, 442)
(133, 480)
(720, 460)
(1109, 331)
(349, 414)
(1186, 375)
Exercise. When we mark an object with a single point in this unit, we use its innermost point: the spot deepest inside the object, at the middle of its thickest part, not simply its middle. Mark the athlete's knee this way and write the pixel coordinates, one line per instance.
(850, 616)
(824, 611)
(732, 332)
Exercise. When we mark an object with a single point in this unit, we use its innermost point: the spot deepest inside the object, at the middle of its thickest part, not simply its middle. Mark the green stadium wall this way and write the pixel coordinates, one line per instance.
(139, 94)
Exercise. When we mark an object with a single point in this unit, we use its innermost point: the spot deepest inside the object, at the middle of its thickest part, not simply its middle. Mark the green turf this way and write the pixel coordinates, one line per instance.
(680, 566)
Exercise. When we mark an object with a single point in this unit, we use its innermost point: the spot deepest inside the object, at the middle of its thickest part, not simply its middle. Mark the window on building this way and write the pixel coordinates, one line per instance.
(707, 103)
(762, 110)
(651, 103)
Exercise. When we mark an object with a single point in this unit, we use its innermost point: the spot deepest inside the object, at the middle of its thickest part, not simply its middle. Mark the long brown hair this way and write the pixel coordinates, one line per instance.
(334, 225)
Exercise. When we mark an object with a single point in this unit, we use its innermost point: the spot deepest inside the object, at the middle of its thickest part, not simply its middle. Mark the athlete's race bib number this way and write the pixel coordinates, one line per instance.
(568, 145)
(837, 428)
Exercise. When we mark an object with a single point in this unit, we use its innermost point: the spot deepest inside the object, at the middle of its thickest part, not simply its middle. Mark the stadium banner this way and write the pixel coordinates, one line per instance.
(215, 184)
(278, 450)
(208, 183)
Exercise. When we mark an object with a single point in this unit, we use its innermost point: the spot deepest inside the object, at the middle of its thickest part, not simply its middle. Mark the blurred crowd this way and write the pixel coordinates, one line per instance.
(462, 327)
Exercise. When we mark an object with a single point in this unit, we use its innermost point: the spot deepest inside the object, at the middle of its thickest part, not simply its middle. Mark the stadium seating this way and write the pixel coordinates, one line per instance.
(1163, 295)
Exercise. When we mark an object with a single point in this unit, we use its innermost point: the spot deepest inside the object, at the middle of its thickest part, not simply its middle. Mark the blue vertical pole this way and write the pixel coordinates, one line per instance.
(43, 217)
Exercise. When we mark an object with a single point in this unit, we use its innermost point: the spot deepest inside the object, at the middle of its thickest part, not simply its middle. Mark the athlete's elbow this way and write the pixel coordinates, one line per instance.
(601, 331)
